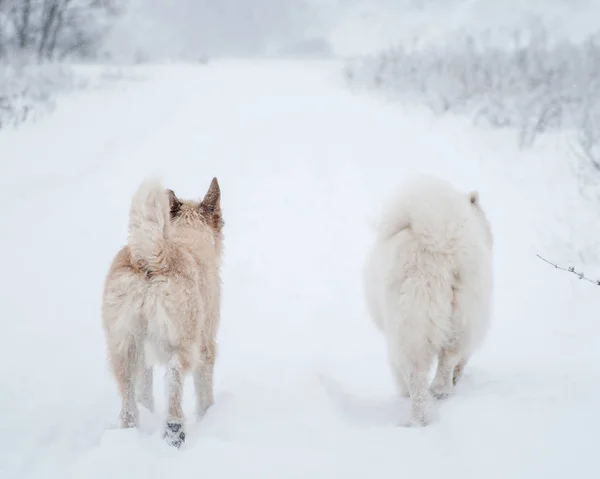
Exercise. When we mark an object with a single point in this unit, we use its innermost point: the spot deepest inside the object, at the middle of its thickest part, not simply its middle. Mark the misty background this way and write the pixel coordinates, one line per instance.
(531, 67)
(156, 30)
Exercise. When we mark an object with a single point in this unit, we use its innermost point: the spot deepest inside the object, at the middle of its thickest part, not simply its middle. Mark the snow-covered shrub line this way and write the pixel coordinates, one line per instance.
(534, 86)
(28, 90)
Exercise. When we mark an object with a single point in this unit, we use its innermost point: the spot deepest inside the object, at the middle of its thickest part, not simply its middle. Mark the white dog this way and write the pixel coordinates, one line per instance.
(428, 284)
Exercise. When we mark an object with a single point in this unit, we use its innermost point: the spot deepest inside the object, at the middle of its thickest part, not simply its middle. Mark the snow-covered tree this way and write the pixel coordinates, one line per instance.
(50, 29)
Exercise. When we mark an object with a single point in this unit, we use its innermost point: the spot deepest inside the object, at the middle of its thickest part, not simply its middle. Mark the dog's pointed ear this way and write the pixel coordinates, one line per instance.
(474, 198)
(174, 203)
(212, 200)
(210, 208)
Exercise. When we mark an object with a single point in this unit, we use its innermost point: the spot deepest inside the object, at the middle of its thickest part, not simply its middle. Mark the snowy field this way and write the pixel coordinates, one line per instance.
(303, 388)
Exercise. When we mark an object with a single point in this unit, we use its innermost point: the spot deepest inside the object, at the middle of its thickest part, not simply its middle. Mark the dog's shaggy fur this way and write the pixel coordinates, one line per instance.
(428, 284)
(162, 301)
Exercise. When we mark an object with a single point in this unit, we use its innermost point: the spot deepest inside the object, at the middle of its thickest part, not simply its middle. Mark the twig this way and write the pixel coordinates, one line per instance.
(571, 269)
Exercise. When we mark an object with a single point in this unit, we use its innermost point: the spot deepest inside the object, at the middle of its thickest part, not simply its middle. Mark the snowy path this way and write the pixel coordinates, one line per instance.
(303, 387)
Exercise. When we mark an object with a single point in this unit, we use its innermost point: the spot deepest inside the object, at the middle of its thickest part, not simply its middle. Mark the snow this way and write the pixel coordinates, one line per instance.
(27, 89)
(303, 388)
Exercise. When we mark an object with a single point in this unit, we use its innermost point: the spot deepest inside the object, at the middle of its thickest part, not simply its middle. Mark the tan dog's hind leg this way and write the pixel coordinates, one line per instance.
(146, 386)
(174, 379)
(203, 380)
(123, 360)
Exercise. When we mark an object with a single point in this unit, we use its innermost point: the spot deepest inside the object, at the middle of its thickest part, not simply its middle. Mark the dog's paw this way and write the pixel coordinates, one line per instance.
(174, 434)
(419, 420)
(441, 389)
(416, 423)
(440, 393)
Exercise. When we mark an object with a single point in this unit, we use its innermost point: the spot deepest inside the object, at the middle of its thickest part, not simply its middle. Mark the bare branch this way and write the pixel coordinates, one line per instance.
(570, 269)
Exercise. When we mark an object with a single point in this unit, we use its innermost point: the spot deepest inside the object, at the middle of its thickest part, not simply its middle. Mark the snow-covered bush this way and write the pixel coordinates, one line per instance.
(533, 85)
(29, 89)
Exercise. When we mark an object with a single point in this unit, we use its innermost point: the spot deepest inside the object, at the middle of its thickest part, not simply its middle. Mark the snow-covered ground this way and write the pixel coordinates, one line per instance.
(303, 387)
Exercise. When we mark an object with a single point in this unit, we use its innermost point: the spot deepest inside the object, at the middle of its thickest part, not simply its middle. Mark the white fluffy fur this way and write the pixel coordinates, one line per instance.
(428, 284)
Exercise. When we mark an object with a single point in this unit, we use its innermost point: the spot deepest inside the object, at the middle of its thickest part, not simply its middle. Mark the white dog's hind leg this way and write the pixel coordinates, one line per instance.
(398, 374)
(401, 384)
(454, 355)
(443, 381)
(416, 373)
(470, 317)
(458, 370)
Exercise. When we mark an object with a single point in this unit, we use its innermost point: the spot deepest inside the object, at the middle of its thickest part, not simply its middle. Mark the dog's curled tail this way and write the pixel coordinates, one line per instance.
(433, 210)
(149, 226)
(392, 222)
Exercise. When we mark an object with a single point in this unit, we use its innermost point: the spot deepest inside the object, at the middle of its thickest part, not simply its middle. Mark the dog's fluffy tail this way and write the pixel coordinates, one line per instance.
(431, 208)
(149, 226)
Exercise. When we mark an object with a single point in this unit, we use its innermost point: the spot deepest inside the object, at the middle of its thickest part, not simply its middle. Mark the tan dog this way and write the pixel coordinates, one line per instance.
(162, 301)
